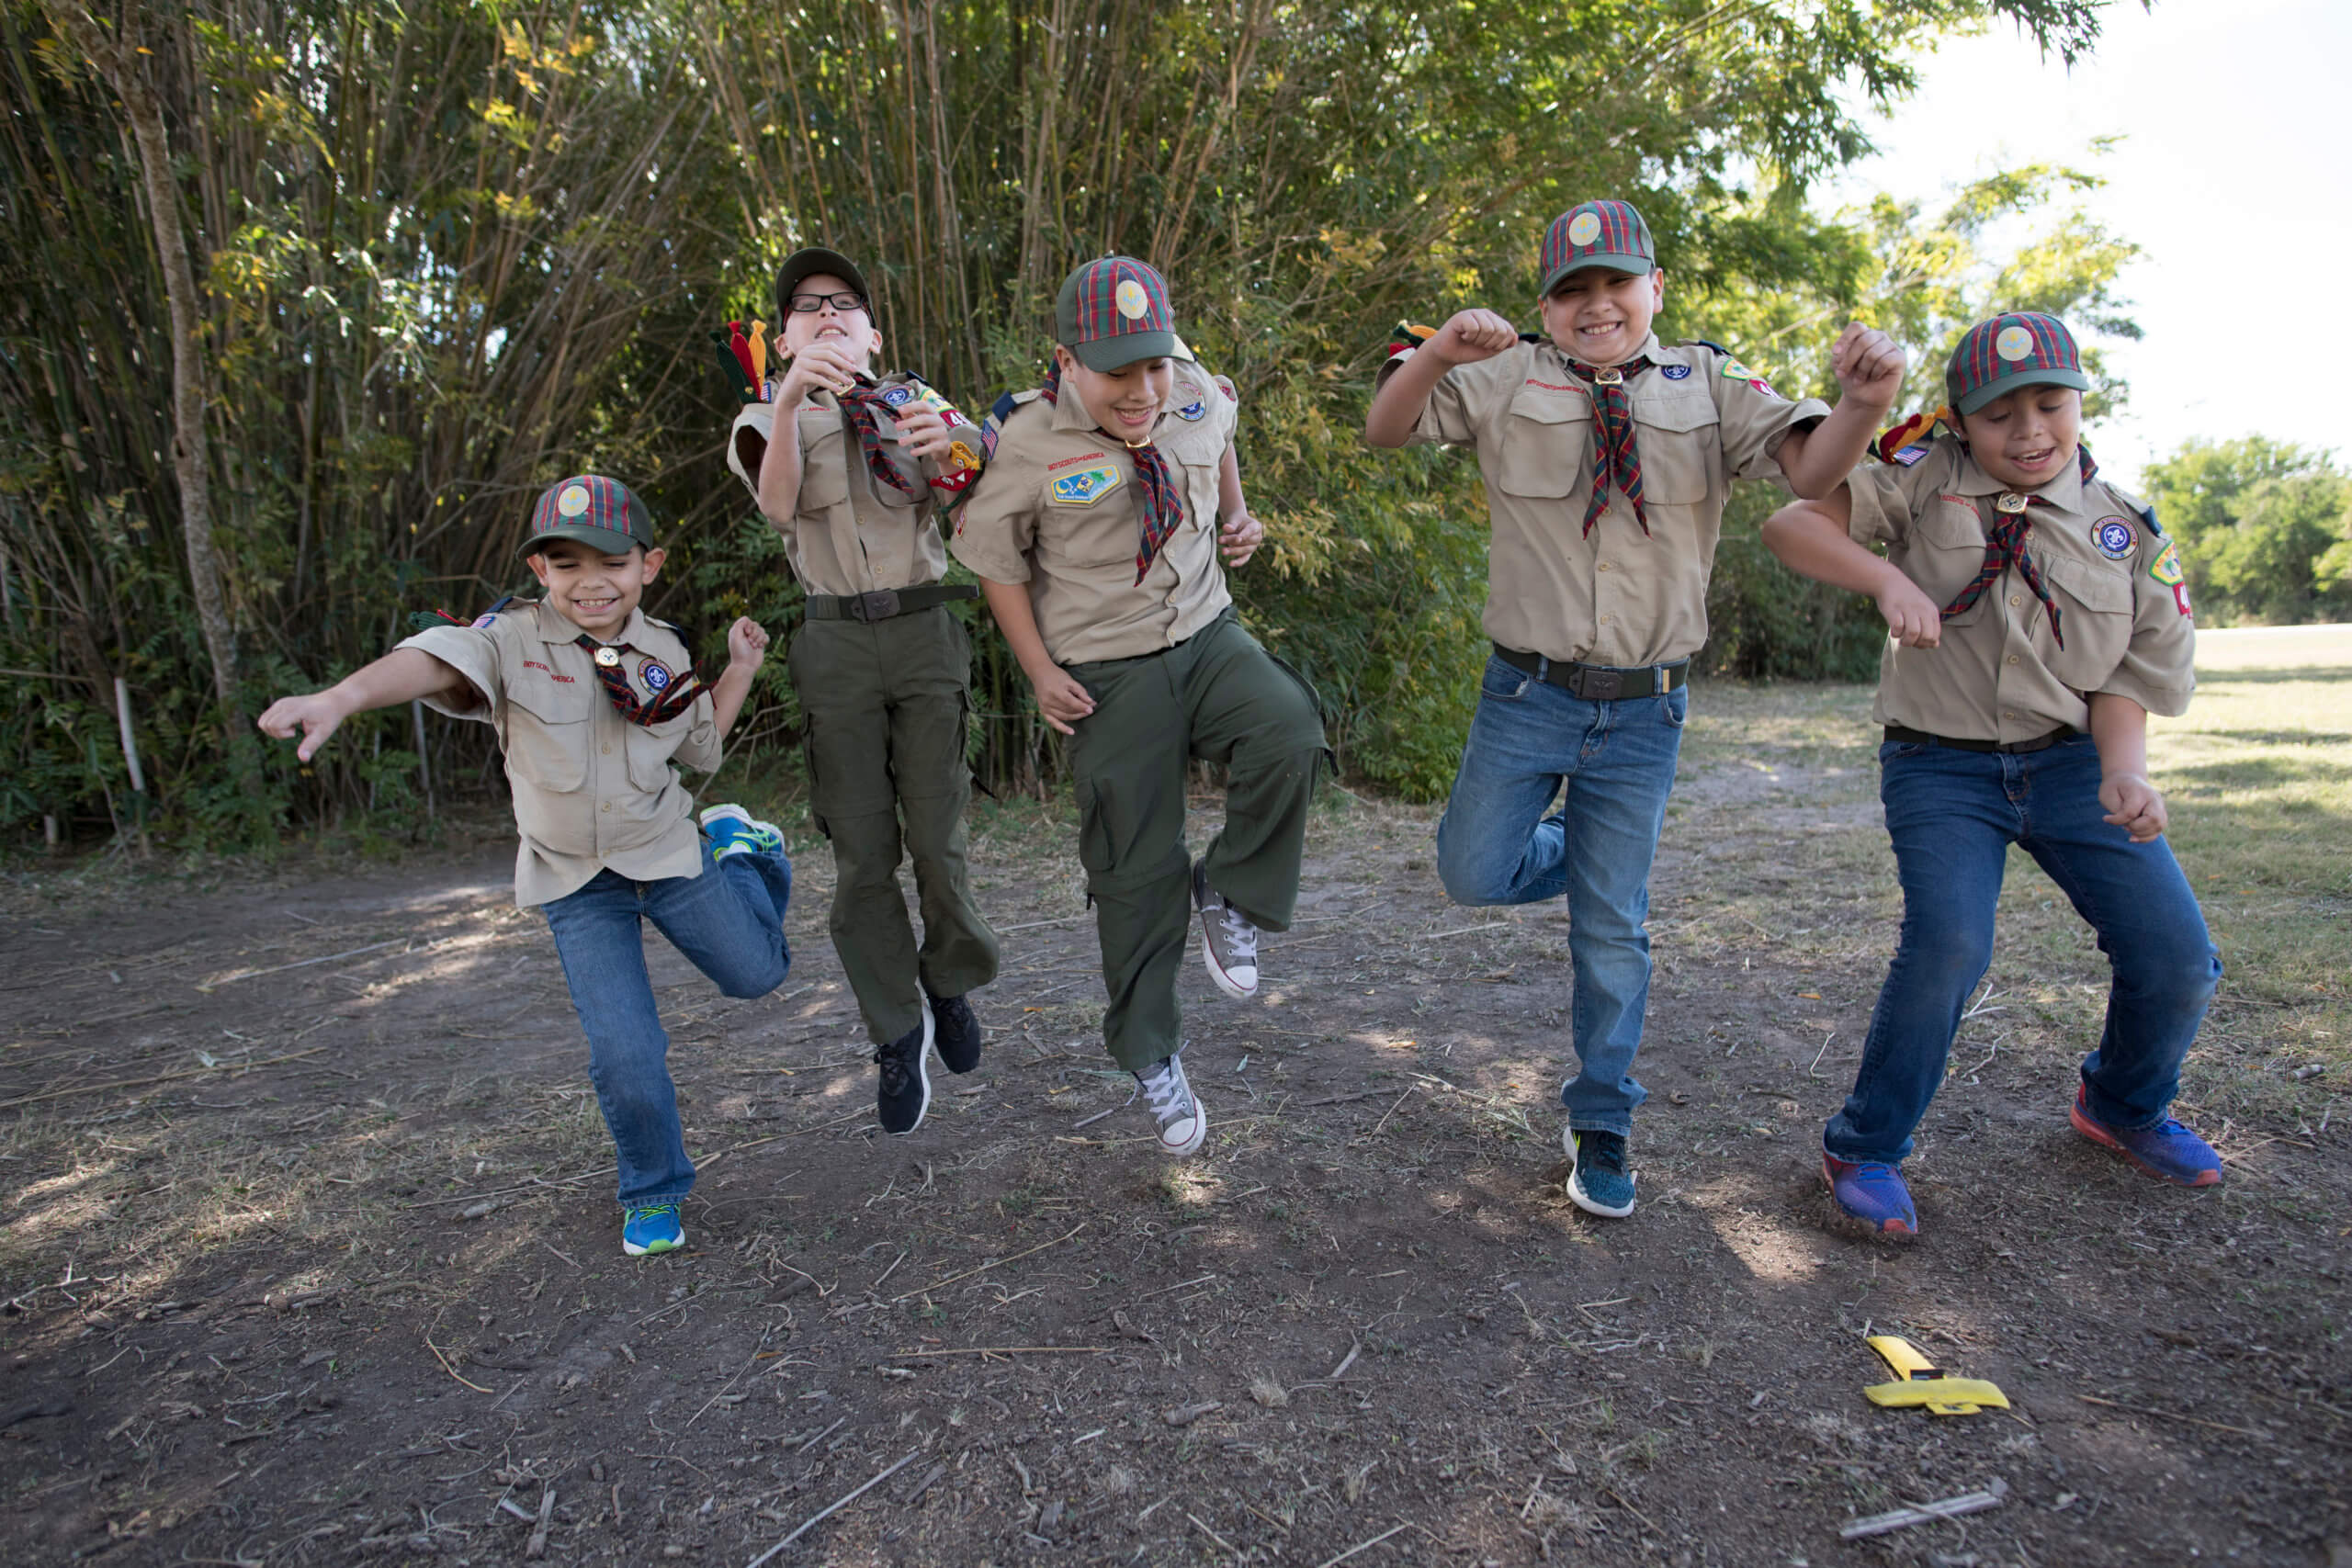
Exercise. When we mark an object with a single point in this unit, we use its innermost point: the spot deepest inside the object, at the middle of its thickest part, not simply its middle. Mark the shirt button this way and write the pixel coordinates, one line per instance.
(2013, 658)
(607, 806)
(1607, 620)
(2007, 714)
(1604, 566)
(608, 750)
(2015, 600)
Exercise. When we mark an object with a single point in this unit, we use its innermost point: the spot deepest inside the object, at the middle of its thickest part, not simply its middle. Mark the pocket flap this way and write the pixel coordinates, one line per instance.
(2095, 586)
(551, 700)
(1550, 402)
(1684, 411)
(824, 460)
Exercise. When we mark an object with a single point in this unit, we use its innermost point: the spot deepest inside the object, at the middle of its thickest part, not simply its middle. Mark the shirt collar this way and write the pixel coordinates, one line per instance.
(2062, 491)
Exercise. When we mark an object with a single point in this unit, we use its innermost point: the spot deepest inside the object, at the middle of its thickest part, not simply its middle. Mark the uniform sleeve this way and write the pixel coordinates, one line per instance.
(997, 522)
(1448, 418)
(702, 749)
(747, 444)
(1882, 512)
(1756, 420)
(2158, 668)
(479, 654)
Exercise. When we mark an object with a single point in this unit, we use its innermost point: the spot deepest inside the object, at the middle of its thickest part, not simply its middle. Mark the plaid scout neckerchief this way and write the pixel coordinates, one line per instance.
(667, 703)
(2005, 545)
(863, 403)
(1615, 456)
(1163, 506)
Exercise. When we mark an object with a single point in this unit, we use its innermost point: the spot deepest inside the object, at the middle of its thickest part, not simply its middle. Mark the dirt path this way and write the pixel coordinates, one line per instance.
(361, 1300)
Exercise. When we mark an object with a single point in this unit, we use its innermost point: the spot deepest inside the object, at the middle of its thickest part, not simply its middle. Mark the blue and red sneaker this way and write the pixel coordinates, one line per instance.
(1871, 1193)
(2168, 1151)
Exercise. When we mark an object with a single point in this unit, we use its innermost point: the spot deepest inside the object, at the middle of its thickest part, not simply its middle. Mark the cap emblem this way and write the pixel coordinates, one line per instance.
(574, 502)
(1584, 228)
(1131, 299)
(2014, 344)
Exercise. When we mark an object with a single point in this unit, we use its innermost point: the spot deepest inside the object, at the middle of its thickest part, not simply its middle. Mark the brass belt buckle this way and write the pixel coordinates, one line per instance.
(880, 605)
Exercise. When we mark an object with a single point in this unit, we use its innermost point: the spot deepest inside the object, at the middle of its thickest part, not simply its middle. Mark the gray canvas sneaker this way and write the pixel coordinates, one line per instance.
(1228, 941)
(1183, 1125)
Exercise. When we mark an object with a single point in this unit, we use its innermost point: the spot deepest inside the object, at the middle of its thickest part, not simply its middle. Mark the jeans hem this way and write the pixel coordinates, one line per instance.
(627, 1204)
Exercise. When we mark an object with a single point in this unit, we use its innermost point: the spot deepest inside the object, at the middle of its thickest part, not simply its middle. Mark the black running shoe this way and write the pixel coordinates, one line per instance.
(957, 1032)
(903, 1093)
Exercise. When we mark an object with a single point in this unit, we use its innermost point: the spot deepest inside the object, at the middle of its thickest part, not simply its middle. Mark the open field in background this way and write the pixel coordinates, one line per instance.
(312, 1262)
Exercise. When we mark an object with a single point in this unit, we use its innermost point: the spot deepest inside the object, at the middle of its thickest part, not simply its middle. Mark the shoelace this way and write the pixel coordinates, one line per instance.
(1165, 1090)
(895, 1070)
(652, 1212)
(1604, 1152)
(1239, 934)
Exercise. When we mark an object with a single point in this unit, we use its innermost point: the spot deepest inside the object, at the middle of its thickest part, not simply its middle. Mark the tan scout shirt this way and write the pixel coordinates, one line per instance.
(1998, 674)
(591, 789)
(1058, 509)
(850, 533)
(1616, 597)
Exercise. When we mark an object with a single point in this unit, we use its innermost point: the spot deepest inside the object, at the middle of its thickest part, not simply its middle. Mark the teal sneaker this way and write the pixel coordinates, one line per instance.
(1598, 1184)
(653, 1228)
(735, 831)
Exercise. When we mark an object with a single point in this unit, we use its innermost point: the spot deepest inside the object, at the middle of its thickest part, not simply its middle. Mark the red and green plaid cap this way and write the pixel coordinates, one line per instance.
(1114, 312)
(1596, 234)
(601, 513)
(2022, 348)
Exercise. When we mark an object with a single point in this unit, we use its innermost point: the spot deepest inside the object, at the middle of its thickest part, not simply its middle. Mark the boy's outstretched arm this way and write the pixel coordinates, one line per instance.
(1870, 372)
(747, 650)
(1061, 696)
(402, 675)
(2120, 730)
(1810, 537)
(1467, 337)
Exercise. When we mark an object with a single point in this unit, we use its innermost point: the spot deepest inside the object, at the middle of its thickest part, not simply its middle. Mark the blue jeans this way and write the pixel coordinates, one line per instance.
(729, 922)
(1495, 845)
(1953, 816)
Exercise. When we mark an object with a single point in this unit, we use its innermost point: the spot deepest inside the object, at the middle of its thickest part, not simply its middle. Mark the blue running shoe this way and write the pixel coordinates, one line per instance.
(1871, 1193)
(1598, 1184)
(735, 831)
(653, 1228)
(2168, 1151)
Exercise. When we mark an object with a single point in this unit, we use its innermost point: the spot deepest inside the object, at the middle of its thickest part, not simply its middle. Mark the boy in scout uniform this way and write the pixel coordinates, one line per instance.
(882, 666)
(1096, 534)
(593, 701)
(1607, 457)
(2038, 616)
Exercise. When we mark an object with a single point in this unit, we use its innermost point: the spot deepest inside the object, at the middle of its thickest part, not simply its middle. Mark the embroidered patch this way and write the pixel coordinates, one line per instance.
(1195, 410)
(573, 501)
(2014, 344)
(899, 397)
(481, 621)
(2180, 598)
(2113, 536)
(1675, 372)
(1085, 487)
(655, 676)
(1734, 371)
(1584, 228)
(932, 399)
(2165, 568)
(1131, 299)
(1910, 455)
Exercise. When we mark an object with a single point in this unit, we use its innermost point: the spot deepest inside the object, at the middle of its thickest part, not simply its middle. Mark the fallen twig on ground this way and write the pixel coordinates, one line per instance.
(831, 1508)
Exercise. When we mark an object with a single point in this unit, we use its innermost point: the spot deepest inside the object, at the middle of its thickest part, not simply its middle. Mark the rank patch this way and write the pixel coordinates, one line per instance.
(2165, 568)
(1675, 372)
(1085, 487)
(1195, 410)
(2113, 536)
(655, 676)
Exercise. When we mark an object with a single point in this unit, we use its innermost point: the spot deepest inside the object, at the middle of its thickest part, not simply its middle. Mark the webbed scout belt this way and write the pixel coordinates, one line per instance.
(1920, 1383)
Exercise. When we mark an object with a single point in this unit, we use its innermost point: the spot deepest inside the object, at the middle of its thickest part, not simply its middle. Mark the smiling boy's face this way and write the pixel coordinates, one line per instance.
(852, 332)
(1599, 316)
(1123, 402)
(594, 591)
(2024, 439)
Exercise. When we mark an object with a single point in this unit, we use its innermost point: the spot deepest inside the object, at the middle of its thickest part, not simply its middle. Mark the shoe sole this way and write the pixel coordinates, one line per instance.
(631, 1249)
(2107, 1139)
(922, 1077)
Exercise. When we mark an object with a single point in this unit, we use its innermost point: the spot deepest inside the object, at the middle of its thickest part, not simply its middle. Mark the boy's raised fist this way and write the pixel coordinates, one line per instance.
(1469, 336)
(1869, 364)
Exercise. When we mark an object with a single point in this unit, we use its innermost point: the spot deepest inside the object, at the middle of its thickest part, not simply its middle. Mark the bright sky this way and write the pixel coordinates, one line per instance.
(2231, 178)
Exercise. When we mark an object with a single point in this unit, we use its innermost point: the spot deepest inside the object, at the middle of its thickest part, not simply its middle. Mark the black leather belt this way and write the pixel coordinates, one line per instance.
(1599, 683)
(1896, 733)
(888, 603)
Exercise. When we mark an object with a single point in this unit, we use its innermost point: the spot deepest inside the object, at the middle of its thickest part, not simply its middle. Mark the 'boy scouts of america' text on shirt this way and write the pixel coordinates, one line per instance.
(849, 532)
(1057, 509)
(592, 790)
(1998, 673)
(1616, 596)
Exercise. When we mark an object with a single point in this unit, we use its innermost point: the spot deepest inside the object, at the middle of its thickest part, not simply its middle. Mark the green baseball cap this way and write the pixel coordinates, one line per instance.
(1596, 234)
(1114, 312)
(809, 262)
(603, 514)
(2018, 348)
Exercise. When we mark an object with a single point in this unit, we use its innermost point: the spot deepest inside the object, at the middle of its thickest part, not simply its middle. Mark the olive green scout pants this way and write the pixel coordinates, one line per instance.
(886, 705)
(1221, 698)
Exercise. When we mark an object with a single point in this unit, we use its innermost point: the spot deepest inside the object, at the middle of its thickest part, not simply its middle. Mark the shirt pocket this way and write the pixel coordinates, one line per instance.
(649, 747)
(1942, 552)
(1678, 442)
(824, 461)
(2095, 609)
(1193, 456)
(1543, 444)
(1098, 534)
(547, 737)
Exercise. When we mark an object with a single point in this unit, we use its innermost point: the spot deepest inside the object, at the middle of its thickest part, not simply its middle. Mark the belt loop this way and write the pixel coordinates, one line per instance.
(1543, 668)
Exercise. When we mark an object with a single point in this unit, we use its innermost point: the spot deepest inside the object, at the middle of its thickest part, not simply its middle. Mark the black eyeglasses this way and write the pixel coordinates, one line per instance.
(809, 304)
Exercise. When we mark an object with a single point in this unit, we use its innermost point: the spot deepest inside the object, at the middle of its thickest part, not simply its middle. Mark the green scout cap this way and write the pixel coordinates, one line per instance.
(809, 262)
(601, 513)
(1596, 234)
(1114, 312)
(2020, 348)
